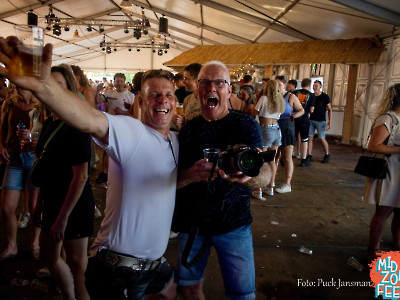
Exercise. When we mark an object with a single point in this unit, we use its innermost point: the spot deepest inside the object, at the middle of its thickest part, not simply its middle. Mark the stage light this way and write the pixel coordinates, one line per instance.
(101, 28)
(89, 28)
(126, 30)
(138, 50)
(66, 28)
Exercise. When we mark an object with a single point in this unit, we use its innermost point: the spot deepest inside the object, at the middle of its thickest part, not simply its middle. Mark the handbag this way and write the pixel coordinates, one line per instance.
(39, 166)
(372, 166)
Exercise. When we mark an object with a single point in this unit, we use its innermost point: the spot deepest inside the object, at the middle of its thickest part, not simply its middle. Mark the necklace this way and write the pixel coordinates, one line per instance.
(172, 150)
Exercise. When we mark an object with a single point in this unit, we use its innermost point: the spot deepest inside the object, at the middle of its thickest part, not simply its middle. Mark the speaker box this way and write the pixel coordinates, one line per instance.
(32, 18)
(163, 27)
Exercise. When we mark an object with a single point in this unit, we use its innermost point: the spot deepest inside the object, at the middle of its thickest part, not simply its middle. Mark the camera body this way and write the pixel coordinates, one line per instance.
(245, 159)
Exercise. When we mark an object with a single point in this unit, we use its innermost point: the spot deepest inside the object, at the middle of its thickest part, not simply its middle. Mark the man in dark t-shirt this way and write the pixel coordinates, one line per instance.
(318, 121)
(302, 124)
(218, 208)
(181, 93)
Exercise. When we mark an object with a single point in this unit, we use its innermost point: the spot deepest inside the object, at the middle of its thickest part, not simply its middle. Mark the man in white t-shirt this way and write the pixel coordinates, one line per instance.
(134, 233)
(119, 99)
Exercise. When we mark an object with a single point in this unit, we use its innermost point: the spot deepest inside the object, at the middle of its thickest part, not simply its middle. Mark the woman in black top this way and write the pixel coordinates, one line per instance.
(66, 196)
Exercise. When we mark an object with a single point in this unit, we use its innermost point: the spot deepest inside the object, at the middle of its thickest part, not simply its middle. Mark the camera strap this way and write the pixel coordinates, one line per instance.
(194, 230)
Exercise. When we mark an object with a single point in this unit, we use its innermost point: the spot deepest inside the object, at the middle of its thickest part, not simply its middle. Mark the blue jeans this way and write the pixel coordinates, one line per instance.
(236, 260)
(18, 171)
(271, 135)
(320, 126)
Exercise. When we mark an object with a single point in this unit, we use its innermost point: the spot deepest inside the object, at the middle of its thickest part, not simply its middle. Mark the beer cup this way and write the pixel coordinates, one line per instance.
(30, 49)
(179, 109)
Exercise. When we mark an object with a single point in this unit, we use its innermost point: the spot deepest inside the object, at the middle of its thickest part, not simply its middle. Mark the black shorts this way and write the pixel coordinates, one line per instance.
(302, 126)
(287, 131)
(104, 281)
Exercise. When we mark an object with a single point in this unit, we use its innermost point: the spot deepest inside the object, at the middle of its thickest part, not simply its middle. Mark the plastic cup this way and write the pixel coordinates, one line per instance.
(34, 135)
(211, 153)
(179, 109)
(30, 49)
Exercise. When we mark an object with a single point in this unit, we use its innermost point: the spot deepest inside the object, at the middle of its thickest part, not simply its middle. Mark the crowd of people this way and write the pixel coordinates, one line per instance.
(157, 177)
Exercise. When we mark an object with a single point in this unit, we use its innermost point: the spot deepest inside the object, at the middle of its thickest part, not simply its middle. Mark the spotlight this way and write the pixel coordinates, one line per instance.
(57, 29)
(89, 28)
(152, 41)
(137, 34)
(165, 51)
(48, 27)
(138, 50)
(145, 31)
(115, 49)
(101, 28)
(126, 30)
(129, 49)
(154, 51)
(108, 49)
(66, 28)
(103, 49)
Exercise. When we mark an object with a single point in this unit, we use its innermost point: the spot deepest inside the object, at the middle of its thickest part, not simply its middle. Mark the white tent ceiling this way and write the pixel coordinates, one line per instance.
(199, 22)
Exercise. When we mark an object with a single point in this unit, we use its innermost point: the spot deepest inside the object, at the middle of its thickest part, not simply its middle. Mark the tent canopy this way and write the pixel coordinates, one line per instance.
(211, 23)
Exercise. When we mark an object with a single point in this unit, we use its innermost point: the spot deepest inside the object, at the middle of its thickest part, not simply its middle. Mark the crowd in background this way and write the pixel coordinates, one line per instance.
(59, 206)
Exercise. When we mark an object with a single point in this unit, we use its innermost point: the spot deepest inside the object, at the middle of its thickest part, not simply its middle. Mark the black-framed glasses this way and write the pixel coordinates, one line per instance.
(218, 83)
(160, 73)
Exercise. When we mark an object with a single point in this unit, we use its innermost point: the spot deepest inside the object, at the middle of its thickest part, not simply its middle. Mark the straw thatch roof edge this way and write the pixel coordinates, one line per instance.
(350, 51)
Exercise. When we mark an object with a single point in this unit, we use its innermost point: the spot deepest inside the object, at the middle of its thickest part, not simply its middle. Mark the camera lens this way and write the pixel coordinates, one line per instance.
(247, 161)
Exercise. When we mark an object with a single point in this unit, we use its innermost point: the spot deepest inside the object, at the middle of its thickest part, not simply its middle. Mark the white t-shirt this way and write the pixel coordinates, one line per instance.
(141, 191)
(263, 111)
(117, 99)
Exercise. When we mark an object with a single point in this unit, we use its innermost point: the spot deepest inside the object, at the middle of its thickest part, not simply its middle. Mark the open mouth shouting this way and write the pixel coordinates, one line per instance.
(212, 102)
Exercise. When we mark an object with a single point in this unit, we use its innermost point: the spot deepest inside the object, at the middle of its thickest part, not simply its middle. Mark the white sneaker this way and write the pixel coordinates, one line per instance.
(269, 191)
(284, 189)
(173, 235)
(23, 220)
(298, 156)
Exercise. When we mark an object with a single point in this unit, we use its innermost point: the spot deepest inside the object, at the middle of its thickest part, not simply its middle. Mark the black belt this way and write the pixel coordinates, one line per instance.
(122, 260)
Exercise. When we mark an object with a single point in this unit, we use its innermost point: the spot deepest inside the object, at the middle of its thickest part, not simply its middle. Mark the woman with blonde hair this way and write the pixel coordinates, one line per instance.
(385, 193)
(247, 97)
(269, 108)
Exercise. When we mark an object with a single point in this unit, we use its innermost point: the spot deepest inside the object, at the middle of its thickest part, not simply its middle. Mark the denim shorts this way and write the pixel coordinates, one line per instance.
(271, 135)
(236, 260)
(18, 171)
(320, 126)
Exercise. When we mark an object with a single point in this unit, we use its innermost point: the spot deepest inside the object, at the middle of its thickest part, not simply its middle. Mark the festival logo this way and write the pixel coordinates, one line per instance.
(385, 275)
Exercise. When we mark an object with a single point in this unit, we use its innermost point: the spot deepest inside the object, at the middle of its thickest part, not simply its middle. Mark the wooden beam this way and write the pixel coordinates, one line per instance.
(349, 109)
(268, 71)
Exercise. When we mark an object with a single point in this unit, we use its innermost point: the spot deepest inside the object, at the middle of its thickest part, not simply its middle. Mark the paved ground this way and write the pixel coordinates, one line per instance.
(323, 212)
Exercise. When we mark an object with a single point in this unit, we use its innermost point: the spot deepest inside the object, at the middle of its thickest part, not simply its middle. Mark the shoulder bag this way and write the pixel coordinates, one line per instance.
(372, 166)
(39, 168)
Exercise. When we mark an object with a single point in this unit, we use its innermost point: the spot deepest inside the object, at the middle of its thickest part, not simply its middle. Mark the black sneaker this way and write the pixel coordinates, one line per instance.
(309, 158)
(326, 159)
(103, 178)
(305, 163)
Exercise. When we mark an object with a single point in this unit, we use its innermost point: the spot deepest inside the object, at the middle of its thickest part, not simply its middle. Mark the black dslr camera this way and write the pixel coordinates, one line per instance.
(245, 159)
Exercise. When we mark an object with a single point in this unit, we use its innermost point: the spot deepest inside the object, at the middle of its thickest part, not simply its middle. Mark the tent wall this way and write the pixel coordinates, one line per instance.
(130, 62)
(372, 81)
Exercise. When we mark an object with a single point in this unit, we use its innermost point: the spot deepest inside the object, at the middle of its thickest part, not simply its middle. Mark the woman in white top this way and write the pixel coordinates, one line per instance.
(385, 193)
(269, 108)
